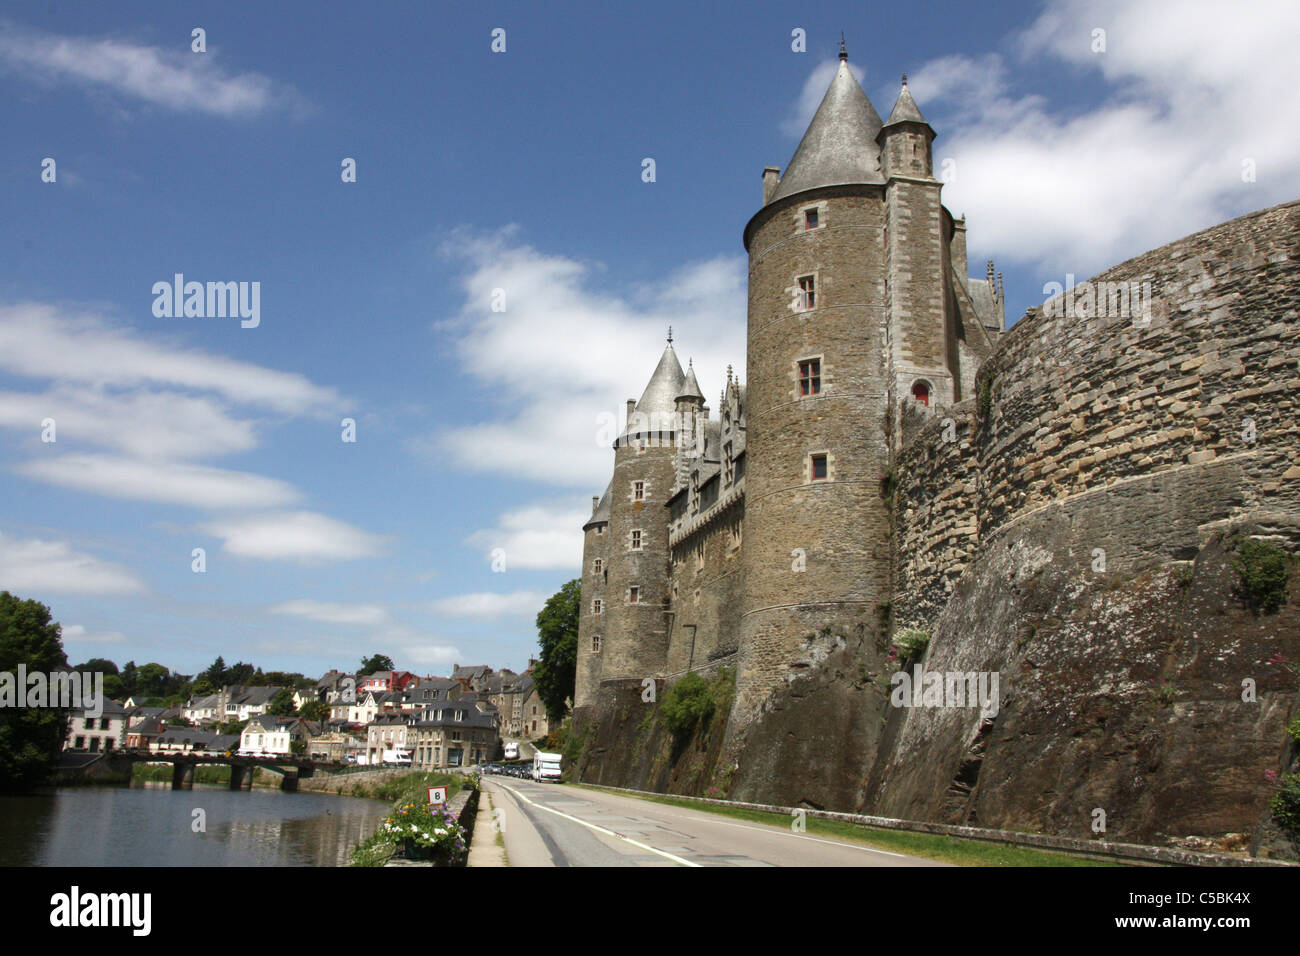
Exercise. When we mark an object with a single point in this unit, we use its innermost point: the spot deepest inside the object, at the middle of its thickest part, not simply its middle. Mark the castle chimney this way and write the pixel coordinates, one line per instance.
(771, 177)
(595, 503)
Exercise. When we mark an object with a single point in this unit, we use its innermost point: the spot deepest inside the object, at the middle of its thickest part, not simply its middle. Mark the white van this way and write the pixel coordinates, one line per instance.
(546, 766)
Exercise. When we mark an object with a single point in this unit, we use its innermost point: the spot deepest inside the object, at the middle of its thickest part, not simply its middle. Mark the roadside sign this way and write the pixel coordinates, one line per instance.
(437, 795)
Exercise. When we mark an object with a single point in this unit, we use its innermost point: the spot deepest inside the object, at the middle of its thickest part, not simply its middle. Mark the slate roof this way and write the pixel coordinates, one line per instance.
(905, 109)
(601, 514)
(658, 404)
(839, 145)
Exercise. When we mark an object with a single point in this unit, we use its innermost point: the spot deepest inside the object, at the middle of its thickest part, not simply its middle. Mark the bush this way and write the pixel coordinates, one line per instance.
(1264, 569)
(1285, 804)
(911, 642)
(687, 704)
(1293, 729)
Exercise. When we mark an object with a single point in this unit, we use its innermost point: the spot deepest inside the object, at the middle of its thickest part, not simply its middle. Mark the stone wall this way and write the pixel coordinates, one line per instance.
(1190, 407)
(1117, 459)
(1084, 401)
(705, 586)
(936, 509)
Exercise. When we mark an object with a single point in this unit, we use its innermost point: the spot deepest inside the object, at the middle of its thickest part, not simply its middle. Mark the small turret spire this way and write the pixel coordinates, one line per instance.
(905, 79)
(844, 54)
(670, 335)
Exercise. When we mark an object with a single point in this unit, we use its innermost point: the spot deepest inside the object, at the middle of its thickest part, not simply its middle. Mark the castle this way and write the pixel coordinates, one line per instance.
(897, 460)
(859, 305)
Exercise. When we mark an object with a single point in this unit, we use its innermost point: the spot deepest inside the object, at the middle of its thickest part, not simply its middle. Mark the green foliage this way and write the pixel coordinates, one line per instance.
(911, 642)
(281, 705)
(1293, 728)
(985, 401)
(412, 787)
(1264, 569)
(30, 738)
(298, 746)
(1285, 805)
(691, 703)
(314, 709)
(556, 670)
(1183, 575)
(376, 662)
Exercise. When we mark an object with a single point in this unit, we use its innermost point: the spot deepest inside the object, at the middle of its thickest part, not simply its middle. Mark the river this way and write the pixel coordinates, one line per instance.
(153, 825)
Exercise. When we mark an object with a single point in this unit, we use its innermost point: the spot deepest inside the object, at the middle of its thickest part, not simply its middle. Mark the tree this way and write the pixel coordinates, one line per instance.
(30, 738)
(151, 681)
(114, 686)
(376, 662)
(556, 670)
(240, 673)
(314, 709)
(216, 675)
(281, 704)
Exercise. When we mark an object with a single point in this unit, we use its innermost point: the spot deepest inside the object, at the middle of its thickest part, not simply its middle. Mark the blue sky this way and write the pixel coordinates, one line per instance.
(476, 171)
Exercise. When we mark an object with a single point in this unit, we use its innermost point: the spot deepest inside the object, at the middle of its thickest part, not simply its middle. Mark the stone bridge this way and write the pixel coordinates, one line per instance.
(290, 766)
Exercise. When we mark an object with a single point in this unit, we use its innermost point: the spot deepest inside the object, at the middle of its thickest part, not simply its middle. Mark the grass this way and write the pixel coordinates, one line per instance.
(929, 846)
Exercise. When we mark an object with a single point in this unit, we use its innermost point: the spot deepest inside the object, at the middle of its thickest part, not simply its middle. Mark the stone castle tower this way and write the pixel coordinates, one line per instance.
(731, 541)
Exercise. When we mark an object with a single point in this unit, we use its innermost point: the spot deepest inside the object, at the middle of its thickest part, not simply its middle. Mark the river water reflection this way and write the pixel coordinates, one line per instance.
(153, 825)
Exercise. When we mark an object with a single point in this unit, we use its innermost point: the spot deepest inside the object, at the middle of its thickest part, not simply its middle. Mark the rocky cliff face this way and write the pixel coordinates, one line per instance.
(1119, 692)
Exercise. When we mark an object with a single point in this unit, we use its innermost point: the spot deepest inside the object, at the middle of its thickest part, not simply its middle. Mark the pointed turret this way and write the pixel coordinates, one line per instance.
(656, 411)
(905, 140)
(691, 386)
(840, 143)
(905, 109)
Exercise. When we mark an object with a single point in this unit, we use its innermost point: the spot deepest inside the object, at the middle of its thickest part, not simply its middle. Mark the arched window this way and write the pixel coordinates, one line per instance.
(921, 392)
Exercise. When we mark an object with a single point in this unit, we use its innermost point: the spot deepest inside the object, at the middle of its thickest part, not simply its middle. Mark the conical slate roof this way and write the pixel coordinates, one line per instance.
(905, 110)
(691, 387)
(840, 143)
(602, 509)
(658, 404)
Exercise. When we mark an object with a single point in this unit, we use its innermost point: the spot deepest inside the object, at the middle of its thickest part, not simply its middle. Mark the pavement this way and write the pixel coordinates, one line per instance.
(549, 824)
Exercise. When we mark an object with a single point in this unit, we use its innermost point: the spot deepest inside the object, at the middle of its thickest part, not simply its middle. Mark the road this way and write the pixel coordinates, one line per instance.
(549, 824)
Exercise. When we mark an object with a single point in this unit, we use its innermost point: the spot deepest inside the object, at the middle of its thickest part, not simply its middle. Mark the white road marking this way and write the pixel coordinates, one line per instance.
(777, 830)
(600, 829)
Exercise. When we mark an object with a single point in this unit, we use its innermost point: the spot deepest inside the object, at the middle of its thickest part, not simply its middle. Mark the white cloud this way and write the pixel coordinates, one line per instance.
(174, 79)
(77, 633)
(302, 536)
(536, 536)
(198, 486)
(331, 613)
(32, 567)
(38, 341)
(1189, 94)
(146, 424)
(486, 604)
(564, 352)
